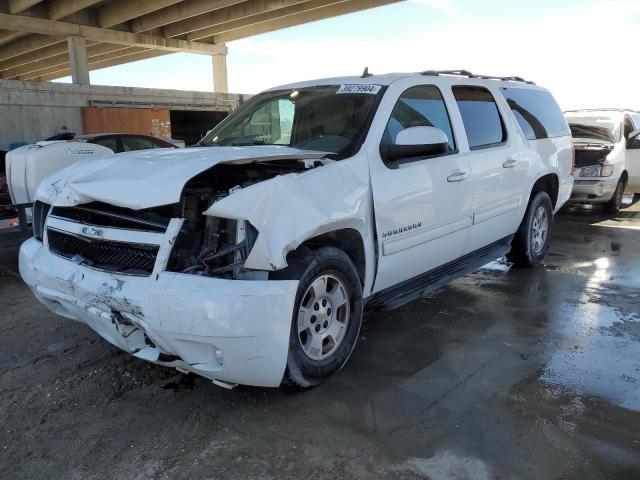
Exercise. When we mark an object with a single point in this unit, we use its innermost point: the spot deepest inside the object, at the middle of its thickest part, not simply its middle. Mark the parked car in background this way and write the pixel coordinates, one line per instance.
(28, 165)
(249, 258)
(607, 155)
(124, 142)
(5, 198)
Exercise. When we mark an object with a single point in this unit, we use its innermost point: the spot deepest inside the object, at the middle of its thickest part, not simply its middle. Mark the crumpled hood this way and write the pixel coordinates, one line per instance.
(149, 178)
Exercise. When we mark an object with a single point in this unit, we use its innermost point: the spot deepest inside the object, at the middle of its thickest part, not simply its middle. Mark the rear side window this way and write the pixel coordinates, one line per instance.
(537, 113)
(136, 143)
(109, 142)
(480, 115)
(420, 106)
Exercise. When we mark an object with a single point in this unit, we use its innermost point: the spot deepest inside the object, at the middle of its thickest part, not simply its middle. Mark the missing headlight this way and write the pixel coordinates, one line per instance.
(40, 212)
(218, 248)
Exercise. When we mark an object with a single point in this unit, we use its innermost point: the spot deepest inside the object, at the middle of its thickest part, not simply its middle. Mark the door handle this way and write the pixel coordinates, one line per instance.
(457, 176)
(510, 162)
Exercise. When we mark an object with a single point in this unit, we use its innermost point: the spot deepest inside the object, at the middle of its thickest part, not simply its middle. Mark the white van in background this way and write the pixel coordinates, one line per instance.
(607, 155)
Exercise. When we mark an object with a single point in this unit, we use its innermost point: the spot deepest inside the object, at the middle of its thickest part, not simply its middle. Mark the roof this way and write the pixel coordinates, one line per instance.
(597, 112)
(588, 111)
(33, 33)
(452, 76)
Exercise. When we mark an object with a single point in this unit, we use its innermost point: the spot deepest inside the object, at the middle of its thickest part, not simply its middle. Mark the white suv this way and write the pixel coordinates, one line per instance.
(607, 155)
(250, 257)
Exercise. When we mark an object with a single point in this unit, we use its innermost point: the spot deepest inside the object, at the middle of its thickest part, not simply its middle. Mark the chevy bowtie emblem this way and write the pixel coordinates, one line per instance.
(92, 232)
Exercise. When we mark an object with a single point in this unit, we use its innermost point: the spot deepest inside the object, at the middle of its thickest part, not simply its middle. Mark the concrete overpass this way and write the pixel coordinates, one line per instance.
(44, 40)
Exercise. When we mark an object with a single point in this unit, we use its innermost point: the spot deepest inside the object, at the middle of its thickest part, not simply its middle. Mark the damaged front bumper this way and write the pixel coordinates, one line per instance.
(231, 331)
(593, 191)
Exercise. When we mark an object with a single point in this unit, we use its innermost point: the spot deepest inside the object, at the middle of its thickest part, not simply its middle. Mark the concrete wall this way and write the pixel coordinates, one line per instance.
(30, 111)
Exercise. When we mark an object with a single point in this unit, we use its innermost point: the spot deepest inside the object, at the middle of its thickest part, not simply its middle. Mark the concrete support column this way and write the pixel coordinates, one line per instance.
(220, 72)
(78, 60)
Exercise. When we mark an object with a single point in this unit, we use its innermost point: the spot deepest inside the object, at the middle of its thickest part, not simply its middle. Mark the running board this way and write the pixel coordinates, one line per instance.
(417, 287)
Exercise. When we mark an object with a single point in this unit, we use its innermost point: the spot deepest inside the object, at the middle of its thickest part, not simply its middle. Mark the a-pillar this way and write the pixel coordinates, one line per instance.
(78, 60)
(220, 72)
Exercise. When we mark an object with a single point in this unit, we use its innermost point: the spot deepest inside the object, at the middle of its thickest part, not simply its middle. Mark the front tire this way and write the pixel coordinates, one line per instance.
(613, 205)
(532, 240)
(326, 319)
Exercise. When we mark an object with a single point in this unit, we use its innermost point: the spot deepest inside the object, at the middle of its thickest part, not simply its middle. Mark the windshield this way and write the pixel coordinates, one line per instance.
(332, 119)
(595, 129)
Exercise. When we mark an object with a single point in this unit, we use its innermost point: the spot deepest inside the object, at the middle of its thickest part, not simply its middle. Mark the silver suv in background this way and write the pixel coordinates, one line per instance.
(607, 155)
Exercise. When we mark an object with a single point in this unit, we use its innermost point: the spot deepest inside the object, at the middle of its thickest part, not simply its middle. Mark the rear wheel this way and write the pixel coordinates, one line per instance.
(613, 205)
(326, 319)
(532, 240)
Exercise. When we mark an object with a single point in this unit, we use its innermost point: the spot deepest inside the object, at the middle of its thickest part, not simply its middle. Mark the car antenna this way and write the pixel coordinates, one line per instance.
(366, 73)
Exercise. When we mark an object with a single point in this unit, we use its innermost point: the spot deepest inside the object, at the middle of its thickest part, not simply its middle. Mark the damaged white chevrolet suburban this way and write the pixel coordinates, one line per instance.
(249, 258)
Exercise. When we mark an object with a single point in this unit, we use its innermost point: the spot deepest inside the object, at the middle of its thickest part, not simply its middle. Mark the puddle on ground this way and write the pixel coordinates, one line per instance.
(597, 353)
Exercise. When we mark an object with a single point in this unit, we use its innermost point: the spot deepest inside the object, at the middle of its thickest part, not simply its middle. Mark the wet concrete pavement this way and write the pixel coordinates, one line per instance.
(510, 374)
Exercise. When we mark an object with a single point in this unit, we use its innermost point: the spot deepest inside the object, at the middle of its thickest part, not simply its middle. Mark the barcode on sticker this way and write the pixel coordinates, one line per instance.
(370, 89)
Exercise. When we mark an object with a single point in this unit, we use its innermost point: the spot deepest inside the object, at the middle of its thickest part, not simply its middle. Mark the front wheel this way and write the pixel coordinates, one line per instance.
(532, 240)
(326, 318)
(613, 205)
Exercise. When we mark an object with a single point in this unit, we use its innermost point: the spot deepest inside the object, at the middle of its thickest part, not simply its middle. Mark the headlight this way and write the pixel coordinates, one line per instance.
(597, 171)
(607, 171)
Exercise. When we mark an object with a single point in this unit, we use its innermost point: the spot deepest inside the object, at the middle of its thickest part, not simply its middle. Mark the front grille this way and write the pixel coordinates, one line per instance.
(133, 259)
(151, 220)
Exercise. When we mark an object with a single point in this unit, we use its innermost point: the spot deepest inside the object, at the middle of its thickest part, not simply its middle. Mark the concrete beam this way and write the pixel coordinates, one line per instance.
(18, 6)
(97, 61)
(61, 8)
(78, 60)
(26, 45)
(264, 17)
(31, 9)
(104, 35)
(220, 82)
(305, 17)
(55, 10)
(141, 55)
(7, 37)
(120, 11)
(178, 12)
(61, 60)
(44, 53)
(235, 12)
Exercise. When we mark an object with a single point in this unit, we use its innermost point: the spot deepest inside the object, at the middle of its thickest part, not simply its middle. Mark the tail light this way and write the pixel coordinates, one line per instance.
(573, 154)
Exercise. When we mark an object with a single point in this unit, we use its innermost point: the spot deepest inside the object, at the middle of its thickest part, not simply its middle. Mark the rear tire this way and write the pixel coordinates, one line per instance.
(532, 240)
(613, 205)
(326, 319)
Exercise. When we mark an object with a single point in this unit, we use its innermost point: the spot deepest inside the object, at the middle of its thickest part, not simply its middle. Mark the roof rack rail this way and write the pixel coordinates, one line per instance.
(601, 109)
(467, 73)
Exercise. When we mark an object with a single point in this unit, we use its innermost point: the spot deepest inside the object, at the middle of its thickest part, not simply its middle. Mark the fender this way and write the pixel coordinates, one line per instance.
(289, 209)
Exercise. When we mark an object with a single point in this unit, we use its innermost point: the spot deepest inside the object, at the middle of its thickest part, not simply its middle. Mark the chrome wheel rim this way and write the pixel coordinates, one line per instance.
(540, 229)
(323, 316)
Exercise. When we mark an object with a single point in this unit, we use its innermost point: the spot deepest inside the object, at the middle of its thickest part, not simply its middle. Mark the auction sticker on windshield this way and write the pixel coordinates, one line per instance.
(354, 88)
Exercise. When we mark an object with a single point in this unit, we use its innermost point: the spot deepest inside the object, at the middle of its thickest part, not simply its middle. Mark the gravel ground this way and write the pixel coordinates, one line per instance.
(505, 374)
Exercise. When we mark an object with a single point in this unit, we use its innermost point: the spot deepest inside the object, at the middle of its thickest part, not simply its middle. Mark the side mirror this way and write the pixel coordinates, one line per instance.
(416, 142)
